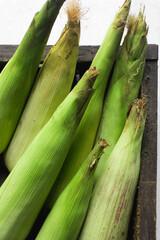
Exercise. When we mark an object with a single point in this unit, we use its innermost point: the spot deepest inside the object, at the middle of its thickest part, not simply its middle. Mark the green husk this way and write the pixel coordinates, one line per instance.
(67, 215)
(125, 84)
(112, 199)
(26, 188)
(85, 135)
(52, 85)
(17, 77)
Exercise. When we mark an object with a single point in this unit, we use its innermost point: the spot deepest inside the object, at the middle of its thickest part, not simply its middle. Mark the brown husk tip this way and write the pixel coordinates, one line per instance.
(140, 103)
(101, 144)
(74, 11)
(94, 71)
(132, 19)
(125, 3)
(135, 20)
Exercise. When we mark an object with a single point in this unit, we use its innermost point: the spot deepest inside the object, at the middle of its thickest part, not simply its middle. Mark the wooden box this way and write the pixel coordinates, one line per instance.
(143, 220)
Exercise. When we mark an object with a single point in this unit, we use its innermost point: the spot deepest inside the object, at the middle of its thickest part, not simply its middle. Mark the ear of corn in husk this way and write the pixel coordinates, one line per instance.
(52, 85)
(67, 215)
(16, 79)
(125, 83)
(86, 132)
(24, 191)
(112, 199)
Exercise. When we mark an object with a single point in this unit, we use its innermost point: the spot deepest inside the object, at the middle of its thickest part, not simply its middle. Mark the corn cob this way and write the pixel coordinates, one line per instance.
(27, 186)
(112, 198)
(52, 85)
(86, 132)
(125, 83)
(67, 215)
(17, 77)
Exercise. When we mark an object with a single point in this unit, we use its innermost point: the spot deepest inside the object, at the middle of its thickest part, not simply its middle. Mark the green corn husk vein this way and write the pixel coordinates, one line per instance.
(112, 199)
(52, 85)
(17, 77)
(67, 215)
(24, 191)
(86, 132)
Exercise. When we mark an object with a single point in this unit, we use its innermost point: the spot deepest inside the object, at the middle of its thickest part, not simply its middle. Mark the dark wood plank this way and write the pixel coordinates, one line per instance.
(86, 53)
(143, 221)
(145, 216)
(146, 226)
(149, 148)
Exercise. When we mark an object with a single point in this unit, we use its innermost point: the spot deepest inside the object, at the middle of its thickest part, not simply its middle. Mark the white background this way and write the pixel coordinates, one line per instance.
(16, 15)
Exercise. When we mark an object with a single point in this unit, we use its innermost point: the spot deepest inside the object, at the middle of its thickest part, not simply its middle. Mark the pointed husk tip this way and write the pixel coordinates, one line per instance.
(122, 15)
(94, 71)
(97, 153)
(140, 103)
(92, 74)
(134, 20)
(126, 2)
